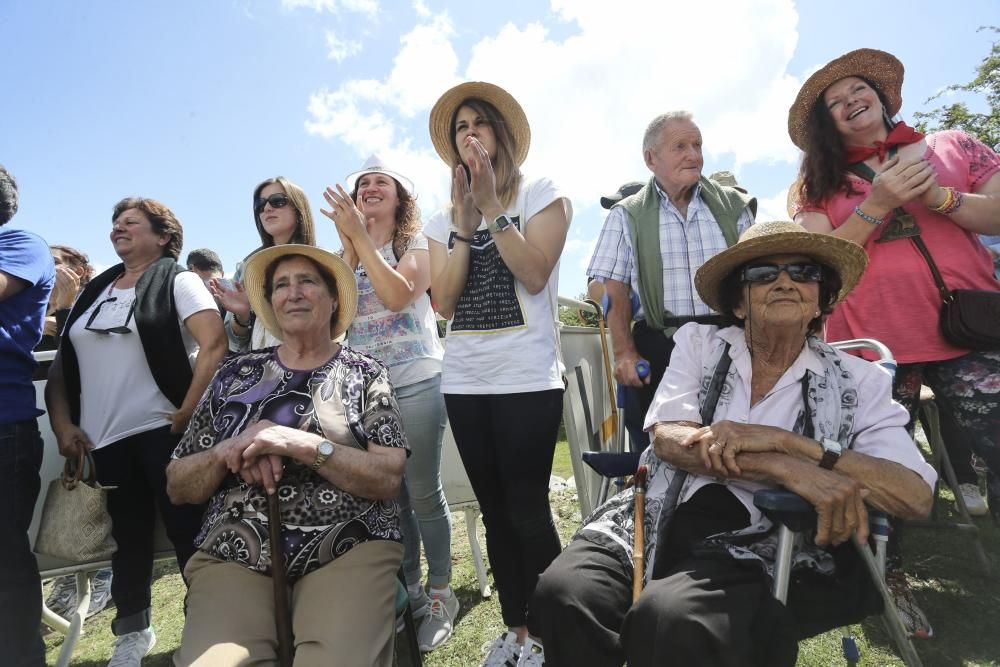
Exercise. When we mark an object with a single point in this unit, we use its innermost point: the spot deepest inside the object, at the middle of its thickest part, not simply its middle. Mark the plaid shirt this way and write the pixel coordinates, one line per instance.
(684, 244)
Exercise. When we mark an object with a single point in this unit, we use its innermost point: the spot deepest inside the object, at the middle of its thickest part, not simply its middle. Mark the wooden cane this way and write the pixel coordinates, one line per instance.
(282, 614)
(639, 542)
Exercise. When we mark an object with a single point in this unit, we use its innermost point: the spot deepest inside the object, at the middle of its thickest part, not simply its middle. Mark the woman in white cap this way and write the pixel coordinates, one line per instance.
(495, 271)
(379, 227)
(877, 182)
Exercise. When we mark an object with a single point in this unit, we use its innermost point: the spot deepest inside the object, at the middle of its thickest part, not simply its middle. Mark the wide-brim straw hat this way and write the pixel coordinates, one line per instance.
(256, 270)
(376, 164)
(881, 68)
(781, 238)
(446, 106)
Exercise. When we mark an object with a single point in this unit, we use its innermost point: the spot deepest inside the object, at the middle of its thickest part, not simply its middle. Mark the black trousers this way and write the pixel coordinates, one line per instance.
(706, 610)
(506, 442)
(20, 588)
(137, 465)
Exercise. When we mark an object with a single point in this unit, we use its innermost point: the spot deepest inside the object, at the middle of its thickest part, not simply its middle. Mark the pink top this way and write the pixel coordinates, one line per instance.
(896, 300)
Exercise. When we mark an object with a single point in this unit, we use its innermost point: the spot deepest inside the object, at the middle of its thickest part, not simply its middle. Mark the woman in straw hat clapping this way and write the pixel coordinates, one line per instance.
(788, 410)
(875, 181)
(379, 227)
(494, 268)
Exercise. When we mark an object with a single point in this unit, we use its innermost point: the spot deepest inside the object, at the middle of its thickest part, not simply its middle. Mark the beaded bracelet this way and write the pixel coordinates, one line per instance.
(867, 218)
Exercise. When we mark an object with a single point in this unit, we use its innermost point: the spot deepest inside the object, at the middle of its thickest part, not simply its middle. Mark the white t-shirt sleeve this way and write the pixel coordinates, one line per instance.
(542, 192)
(676, 399)
(191, 296)
(438, 227)
(417, 242)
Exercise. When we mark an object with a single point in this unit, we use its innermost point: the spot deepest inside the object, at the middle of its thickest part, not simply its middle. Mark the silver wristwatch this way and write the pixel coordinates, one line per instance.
(831, 453)
(499, 224)
(323, 452)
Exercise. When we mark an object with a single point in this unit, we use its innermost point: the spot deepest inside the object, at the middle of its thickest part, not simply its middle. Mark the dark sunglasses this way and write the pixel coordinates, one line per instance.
(121, 329)
(800, 272)
(277, 200)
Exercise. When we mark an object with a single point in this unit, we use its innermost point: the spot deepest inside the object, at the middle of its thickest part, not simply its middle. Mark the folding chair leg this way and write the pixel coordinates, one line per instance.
(890, 616)
(477, 554)
(783, 563)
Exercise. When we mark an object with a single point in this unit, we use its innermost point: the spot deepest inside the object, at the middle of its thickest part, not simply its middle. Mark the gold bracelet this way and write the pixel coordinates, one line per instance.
(949, 199)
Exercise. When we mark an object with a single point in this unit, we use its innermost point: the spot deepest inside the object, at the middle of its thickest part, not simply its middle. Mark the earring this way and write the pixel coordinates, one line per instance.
(817, 314)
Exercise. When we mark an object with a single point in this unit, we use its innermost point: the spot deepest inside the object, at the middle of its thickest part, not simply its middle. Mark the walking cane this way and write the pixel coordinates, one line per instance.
(282, 614)
(639, 543)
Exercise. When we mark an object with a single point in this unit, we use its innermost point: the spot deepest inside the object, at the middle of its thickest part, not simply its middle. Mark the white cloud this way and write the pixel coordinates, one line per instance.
(773, 208)
(369, 7)
(421, 9)
(338, 49)
(589, 96)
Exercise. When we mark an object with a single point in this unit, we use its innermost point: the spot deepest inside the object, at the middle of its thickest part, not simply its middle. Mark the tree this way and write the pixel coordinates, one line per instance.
(572, 317)
(983, 126)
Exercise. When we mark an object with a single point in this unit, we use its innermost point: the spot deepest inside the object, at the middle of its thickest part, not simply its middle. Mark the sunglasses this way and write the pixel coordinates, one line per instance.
(800, 272)
(277, 200)
(121, 329)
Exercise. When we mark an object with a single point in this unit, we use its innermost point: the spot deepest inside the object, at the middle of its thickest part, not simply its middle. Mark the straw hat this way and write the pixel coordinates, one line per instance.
(793, 200)
(446, 106)
(881, 68)
(376, 164)
(781, 238)
(256, 269)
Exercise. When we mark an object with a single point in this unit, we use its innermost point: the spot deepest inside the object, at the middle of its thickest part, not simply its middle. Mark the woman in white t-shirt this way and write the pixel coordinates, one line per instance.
(495, 272)
(379, 227)
(282, 215)
(140, 346)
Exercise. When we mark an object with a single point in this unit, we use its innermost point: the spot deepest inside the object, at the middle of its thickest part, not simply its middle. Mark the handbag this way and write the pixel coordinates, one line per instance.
(75, 523)
(969, 318)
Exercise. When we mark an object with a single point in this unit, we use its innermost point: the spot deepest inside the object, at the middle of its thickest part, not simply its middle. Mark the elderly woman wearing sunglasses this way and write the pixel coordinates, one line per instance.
(759, 402)
(142, 342)
(281, 213)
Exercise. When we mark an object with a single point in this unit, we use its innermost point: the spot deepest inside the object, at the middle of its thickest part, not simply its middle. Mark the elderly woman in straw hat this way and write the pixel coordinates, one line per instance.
(868, 178)
(379, 227)
(761, 401)
(494, 272)
(318, 425)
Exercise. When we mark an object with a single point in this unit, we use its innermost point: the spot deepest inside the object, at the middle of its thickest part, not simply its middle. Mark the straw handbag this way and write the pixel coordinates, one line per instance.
(75, 524)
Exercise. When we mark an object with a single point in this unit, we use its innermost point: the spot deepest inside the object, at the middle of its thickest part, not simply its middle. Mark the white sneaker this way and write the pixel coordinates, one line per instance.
(439, 622)
(419, 603)
(503, 652)
(532, 654)
(973, 499)
(131, 647)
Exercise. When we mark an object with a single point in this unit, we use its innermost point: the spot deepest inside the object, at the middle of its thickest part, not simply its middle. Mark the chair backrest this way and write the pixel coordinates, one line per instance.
(881, 351)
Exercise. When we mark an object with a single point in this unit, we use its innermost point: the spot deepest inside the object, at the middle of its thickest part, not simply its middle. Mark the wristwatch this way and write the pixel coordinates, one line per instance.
(323, 452)
(499, 224)
(831, 453)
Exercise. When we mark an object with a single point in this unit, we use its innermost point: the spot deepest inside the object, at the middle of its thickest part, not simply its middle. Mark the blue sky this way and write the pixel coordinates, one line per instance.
(194, 103)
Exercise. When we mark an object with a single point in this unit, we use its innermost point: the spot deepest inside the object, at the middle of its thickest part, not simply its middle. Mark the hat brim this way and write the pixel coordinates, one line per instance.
(352, 179)
(509, 108)
(846, 258)
(256, 270)
(881, 68)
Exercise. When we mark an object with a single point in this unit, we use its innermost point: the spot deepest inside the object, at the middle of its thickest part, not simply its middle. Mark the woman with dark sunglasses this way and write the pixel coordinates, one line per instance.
(282, 215)
(141, 344)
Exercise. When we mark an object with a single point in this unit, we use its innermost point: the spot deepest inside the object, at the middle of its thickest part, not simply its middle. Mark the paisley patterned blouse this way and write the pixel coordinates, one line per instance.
(349, 401)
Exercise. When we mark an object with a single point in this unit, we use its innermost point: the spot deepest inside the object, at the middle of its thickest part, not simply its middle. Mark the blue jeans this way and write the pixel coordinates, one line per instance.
(423, 507)
(20, 587)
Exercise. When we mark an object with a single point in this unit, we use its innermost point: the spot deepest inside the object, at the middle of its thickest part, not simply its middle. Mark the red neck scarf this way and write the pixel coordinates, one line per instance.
(900, 135)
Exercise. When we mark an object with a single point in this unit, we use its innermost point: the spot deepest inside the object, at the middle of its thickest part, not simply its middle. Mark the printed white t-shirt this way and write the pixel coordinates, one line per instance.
(119, 396)
(405, 342)
(502, 339)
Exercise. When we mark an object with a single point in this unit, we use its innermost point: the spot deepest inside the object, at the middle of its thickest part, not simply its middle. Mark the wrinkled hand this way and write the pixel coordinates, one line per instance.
(280, 441)
(898, 182)
(721, 442)
(484, 181)
(261, 470)
(839, 502)
(467, 216)
(72, 440)
(349, 219)
(65, 289)
(625, 372)
(234, 300)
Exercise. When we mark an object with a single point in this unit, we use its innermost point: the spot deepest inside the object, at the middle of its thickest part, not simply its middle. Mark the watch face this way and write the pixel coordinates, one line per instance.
(501, 223)
(326, 448)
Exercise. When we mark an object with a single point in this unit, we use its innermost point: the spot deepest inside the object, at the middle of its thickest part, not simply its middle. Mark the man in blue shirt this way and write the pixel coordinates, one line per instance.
(27, 274)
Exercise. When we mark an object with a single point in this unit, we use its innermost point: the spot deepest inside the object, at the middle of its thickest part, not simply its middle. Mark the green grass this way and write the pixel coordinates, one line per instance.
(963, 606)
